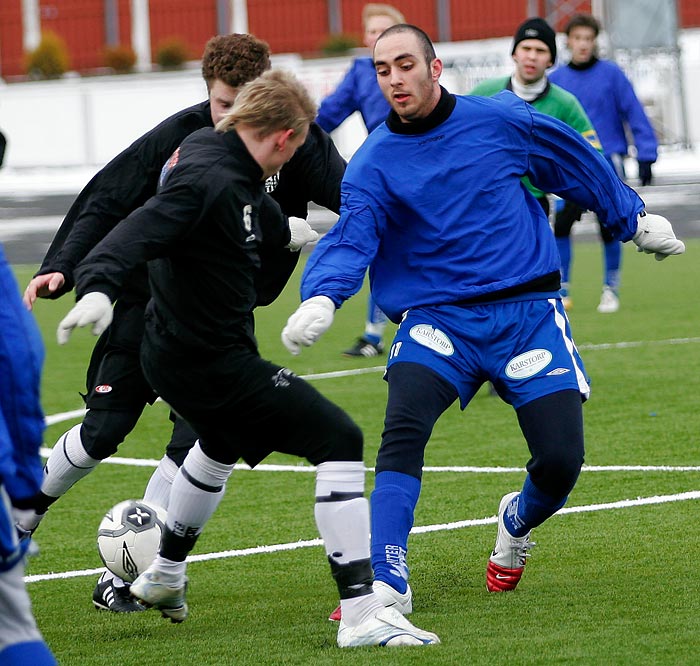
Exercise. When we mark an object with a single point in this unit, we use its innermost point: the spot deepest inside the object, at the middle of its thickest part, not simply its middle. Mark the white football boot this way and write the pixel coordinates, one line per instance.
(507, 561)
(609, 302)
(154, 590)
(388, 628)
(388, 596)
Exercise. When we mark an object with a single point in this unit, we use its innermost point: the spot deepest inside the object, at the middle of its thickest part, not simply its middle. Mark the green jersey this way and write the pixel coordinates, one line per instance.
(554, 101)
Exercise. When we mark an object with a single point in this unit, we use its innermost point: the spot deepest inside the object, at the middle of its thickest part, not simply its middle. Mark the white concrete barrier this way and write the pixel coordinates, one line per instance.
(85, 121)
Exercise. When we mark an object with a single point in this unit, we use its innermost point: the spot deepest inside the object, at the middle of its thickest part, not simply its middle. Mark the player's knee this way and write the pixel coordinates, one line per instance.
(417, 397)
(104, 430)
(402, 449)
(553, 428)
(181, 441)
(347, 442)
(556, 473)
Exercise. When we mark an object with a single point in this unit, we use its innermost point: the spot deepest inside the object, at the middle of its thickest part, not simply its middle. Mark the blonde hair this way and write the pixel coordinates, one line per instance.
(376, 9)
(276, 100)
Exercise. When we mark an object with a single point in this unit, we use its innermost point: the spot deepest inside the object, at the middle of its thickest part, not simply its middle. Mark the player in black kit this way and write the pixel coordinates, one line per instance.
(200, 234)
(117, 391)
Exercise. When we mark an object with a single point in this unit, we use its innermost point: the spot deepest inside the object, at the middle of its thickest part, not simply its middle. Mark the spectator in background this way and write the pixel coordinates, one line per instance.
(21, 433)
(534, 52)
(359, 91)
(608, 98)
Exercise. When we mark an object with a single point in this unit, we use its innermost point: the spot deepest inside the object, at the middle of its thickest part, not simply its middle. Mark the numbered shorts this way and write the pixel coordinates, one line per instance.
(524, 348)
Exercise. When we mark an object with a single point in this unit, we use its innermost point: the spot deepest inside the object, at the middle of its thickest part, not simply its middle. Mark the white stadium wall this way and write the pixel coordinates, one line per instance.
(82, 122)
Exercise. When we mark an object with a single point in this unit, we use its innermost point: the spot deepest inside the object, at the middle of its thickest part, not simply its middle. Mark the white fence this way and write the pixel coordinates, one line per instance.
(86, 121)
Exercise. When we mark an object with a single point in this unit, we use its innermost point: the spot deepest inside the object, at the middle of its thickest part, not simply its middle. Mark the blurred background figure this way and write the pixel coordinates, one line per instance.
(608, 98)
(21, 435)
(359, 91)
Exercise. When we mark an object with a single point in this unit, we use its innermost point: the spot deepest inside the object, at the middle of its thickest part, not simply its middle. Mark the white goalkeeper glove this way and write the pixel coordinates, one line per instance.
(301, 232)
(94, 308)
(655, 236)
(311, 320)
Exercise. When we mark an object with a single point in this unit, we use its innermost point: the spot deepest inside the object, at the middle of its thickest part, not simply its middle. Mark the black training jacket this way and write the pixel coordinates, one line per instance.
(201, 234)
(131, 178)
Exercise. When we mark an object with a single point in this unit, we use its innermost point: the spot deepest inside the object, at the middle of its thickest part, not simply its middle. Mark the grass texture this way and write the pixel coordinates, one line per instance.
(610, 582)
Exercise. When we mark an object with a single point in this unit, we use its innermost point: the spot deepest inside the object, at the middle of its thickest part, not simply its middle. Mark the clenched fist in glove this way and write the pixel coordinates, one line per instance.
(94, 308)
(311, 320)
(301, 232)
(655, 236)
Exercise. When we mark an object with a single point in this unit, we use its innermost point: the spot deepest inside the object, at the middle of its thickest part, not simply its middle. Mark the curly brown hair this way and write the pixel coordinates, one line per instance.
(234, 59)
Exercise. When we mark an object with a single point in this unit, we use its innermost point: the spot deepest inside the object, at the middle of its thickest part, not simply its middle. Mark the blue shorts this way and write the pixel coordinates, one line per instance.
(524, 348)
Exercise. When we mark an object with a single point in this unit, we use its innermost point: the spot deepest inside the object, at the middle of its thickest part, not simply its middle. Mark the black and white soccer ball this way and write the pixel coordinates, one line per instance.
(129, 536)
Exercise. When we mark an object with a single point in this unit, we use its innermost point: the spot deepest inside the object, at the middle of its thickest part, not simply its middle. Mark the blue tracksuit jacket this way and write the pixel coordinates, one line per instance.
(21, 416)
(441, 216)
(608, 98)
(358, 91)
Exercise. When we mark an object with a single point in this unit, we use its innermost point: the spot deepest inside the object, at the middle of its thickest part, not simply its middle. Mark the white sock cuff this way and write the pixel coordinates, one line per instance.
(344, 476)
(75, 451)
(167, 467)
(206, 470)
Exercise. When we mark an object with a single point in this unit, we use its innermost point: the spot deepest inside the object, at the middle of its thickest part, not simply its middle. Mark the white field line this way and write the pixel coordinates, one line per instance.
(66, 416)
(150, 462)
(276, 548)
(138, 462)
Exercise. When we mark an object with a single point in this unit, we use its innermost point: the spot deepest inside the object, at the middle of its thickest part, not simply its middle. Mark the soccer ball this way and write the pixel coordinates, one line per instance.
(129, 536)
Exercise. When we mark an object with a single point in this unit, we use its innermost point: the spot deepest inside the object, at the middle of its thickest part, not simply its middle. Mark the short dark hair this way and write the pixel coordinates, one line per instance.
(583, 21)
(234, 59)
(423, 39)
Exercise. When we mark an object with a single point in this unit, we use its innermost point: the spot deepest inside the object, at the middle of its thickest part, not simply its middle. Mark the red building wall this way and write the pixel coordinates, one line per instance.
(191, 22)
(291, 26)
(11, 52)
(689, 13)
(80, 23)
(296, 26)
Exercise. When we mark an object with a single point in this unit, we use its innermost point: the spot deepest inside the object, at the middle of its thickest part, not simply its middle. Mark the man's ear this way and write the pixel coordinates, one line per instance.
(436, 68)
(282, 139)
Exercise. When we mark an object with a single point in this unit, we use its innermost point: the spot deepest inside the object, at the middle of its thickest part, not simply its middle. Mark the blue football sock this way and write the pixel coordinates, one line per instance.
(533, 508)
(393, 500)
(613, 259)
(565, 254)
(375, 324)
(36, 653)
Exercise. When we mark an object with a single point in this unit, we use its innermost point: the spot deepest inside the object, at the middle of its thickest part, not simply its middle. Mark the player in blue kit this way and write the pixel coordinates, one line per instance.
(617, 114)
(21, 432)
(358, 91)
(461, 255)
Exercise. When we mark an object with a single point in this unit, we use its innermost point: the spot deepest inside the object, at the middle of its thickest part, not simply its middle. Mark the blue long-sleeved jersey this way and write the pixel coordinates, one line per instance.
(608, 98)
(358, 91)
(21, 416)
(437, 211)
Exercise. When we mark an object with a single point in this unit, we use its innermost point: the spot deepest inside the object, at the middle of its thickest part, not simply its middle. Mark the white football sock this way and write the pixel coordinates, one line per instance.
(161, 482)
(358, 610)
(108, 575)
(67, 464)
(171, 571)
(191, 505)
(343, 525)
